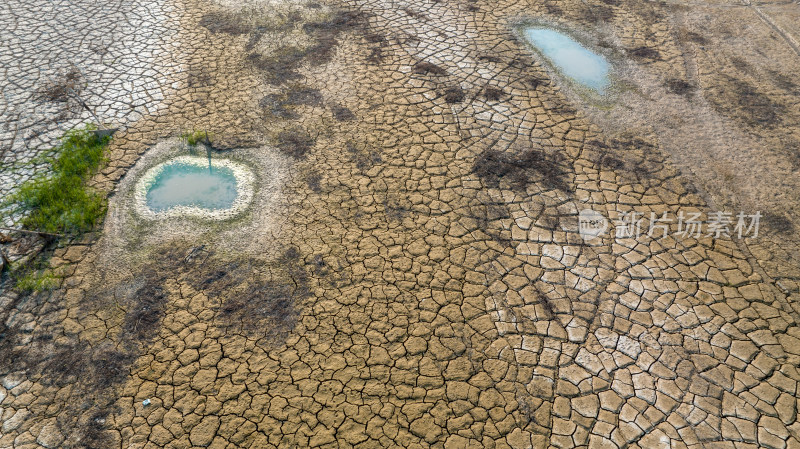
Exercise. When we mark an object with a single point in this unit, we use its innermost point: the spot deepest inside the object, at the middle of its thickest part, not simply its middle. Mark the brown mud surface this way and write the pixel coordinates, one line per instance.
(420, 280)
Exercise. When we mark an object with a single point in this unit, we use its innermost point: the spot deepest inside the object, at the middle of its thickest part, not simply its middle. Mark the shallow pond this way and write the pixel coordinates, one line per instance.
(214, 189)
(189, 185)
(571, 58)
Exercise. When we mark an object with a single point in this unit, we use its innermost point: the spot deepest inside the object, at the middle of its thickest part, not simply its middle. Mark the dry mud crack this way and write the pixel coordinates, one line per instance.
(413, 275)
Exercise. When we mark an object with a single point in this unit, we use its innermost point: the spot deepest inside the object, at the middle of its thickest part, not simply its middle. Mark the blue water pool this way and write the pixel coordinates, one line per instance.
(189, 185)
(571, 58)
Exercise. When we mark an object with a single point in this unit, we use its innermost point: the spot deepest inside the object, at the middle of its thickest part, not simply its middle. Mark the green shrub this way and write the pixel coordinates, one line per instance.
(59, 202)
(195, 137)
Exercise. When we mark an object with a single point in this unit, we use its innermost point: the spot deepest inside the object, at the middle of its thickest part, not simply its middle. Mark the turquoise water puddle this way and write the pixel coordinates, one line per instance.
(187, 185)
(571, 58)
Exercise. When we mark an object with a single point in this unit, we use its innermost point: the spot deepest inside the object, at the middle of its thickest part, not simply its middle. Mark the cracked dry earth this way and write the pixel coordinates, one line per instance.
(102, 51)
(423, 282)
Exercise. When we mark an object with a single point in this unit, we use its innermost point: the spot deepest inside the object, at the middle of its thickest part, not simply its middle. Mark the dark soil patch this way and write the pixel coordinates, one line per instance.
(396, 209)
(314, 181)
(342, 114)
(281, 66)
(545, 302)
(679, 86)
(645, 53)
(628, 155)
(99, 48)
(95, 435)
(375, 38)
(338, 22)
(270, 305)
(282, 105)
(363, 158)
(378, 42)
(565, 109)
(610, 162)
(535, 82)
(254, 296)
(255, 37)
(93, 367)
(602, 43)
(146, 313)
(742, 65)
(791, 148)
(427, 68)
(295, 142)
(417, 15)
(490, 58)
(492, 93)
(553, 8)
(319, 266)
(326, 31)
(598, 13)
(224, 141)
(742, 101)
(65, 90)
(304, 95)
(697, 38)
(533, 165)
(9, 339)
(549, 222)
(778, 223)
(375, 55)
(199, 77)
(284, 64)
(454, 94)
(93, 370)
(260, 299)
(785, 82)
(223, 22)
(322, 52)
(644, 167)
(277, 105)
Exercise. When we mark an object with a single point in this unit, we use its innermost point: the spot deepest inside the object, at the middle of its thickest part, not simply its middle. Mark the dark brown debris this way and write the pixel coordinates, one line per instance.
(427, 68)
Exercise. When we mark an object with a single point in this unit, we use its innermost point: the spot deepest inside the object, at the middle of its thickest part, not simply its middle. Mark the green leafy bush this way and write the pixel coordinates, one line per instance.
(59, 202)
(196, 136)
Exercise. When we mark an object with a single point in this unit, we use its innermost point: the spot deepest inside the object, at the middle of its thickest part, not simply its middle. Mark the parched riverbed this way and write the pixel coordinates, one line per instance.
(449, 243)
